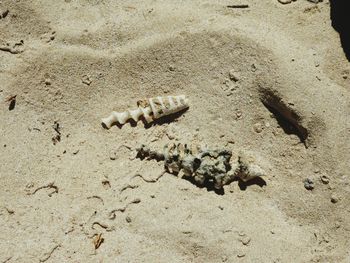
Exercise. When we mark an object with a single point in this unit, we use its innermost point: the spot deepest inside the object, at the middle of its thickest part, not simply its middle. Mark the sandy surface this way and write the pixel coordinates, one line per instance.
(72, 62)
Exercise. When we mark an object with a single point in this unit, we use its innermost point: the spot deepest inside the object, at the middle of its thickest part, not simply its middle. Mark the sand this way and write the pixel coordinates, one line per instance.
(271, 79)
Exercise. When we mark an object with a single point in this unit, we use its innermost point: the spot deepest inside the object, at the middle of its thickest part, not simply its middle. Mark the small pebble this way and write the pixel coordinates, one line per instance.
(241, 255)
(324, 179)
(285, 1)
(171, 68)
(47, 81)
(86, 80)
(128, 219)
(315, 1)
(233, 75)
(112, 155)
(308, 184)
(258, 128)
(334, 199)
(245, 240)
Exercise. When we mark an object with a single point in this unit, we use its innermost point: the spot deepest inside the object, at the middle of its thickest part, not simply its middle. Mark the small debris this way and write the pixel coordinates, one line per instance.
(324, 179)
(98, 240)
(87, 80)
(308, 184)
(128, 219)
(241, 254)
(10, 211)
(12, 100)
(47, 81)
(238, 6)
(50, 186)
(4, 14)
(57, 137)
(49, 254)
(315, 1)
(106, 184)
(13, 48)
(238, 114)
(113, 155)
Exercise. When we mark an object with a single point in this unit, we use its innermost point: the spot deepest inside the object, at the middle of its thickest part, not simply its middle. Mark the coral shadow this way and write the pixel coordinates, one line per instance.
(209, 185)
(256, 181)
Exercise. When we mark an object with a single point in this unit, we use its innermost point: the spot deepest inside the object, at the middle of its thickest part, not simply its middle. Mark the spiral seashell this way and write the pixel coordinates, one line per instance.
(150, 109)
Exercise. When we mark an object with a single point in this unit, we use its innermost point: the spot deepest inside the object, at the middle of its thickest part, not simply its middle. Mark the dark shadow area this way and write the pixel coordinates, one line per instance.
(287, 126)
(340, 16)
(287, 118)
(12, 105)
(256, 181)
(163, 120)
(208, 184)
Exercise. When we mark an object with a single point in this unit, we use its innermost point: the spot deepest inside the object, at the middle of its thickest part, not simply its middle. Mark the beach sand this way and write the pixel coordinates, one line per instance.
(271, 79)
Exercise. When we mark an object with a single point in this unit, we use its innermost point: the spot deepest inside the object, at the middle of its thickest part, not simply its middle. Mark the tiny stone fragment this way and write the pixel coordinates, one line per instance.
(285, 1)
(324, 179)
(87, 80)
(308, 184)
(258, 128)
(233, 75)
(334, 199)
(128, 219)
(245, 240)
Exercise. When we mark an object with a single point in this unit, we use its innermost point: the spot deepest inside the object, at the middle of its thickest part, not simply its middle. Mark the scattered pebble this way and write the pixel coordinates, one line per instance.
(233, 75)
(324, 179)
(128, 219)
(87, 80)
(315, 1)
(285, 1)
(112, 155)
(241, 254)
(258, 128)
(334, 199)
(47, 81)
(171, 68)
(308, 184)
(106, 184)
(245, 240)
(253, 67)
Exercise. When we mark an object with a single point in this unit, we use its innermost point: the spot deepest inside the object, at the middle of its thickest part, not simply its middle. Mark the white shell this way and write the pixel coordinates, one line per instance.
(150, 109)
